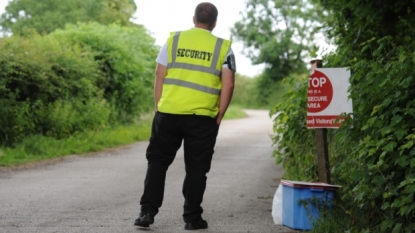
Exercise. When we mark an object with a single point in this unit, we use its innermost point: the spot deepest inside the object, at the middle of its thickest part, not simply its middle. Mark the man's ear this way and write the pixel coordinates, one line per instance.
(194, 20)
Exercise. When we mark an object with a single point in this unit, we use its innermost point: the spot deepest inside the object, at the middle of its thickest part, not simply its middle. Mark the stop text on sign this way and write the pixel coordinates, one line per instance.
(320, 92)
(317, 82)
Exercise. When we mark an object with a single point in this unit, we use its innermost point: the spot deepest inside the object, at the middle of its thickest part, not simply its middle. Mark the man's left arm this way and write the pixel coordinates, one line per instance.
(228, 82)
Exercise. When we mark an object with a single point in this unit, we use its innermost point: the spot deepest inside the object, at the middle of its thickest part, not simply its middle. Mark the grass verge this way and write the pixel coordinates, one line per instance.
(40, 148)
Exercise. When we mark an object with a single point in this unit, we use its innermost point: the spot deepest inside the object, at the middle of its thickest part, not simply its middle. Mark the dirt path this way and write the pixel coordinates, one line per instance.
(101, 193)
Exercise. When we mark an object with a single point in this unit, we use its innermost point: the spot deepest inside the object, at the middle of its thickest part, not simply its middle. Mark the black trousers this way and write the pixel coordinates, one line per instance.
(198, 134)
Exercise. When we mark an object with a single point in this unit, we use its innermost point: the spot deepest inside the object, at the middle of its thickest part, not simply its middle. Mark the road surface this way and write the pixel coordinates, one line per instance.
(101, 192)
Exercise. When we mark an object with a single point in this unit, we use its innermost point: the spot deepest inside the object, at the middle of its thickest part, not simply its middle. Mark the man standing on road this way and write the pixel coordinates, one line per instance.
(193, 88)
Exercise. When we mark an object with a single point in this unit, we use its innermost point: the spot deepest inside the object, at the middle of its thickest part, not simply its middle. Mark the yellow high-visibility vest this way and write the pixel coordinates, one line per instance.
(193, 84)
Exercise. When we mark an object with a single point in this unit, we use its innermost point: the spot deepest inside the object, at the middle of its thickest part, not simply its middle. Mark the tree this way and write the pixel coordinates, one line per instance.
(279, 33)
(353, 22)
(44, 16)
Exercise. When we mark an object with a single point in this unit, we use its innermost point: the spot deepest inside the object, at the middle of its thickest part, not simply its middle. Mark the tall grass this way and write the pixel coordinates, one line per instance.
(38, 147)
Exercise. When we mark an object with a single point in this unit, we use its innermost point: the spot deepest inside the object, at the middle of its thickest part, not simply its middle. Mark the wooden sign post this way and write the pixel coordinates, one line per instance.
(327, 101)
(321, 143)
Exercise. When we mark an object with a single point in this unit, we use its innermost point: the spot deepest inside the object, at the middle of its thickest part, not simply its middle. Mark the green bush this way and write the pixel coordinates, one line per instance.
(64, 117)
(37, 73)
(295, 144)
(382, 137)
(81, 78)
(126, 59)
(243, 91)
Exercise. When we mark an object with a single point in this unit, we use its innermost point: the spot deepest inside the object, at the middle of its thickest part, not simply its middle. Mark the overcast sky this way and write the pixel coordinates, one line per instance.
(161, 17)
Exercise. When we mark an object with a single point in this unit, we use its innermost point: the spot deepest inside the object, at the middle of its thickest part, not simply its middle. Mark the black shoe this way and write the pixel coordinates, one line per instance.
(144, 220)
(196, 225)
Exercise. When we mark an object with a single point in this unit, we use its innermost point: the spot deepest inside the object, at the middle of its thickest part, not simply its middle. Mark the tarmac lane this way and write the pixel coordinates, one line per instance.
(101, 192)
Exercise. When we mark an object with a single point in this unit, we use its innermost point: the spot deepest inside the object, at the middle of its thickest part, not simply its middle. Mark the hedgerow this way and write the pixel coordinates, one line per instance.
(85, 77)
(372, 155)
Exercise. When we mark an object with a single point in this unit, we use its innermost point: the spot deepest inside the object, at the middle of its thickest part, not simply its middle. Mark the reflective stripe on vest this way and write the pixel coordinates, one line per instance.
(191, 85)
(211, 70)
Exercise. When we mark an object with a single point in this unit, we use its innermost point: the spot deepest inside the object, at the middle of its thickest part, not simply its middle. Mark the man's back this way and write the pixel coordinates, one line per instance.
(192, 84)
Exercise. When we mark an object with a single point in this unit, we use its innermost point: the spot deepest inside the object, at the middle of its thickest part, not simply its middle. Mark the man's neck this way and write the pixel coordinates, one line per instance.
(203, 26)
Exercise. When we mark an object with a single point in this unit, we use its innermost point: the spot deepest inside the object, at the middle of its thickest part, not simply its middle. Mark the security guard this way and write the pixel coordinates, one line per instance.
(193, 88)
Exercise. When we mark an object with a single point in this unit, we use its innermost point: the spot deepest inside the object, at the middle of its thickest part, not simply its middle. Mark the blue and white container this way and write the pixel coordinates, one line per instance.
(294, 214)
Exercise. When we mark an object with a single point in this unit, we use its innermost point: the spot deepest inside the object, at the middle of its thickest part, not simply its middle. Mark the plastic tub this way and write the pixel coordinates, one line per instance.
(294, 214)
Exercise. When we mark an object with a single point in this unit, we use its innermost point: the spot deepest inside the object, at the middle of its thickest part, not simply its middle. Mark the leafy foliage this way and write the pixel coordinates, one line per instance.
(87, 77)
(371, 155)
(383, 136)
(35, 76)
(279, 34)
(47, 15)
(125, 57)
(294, 142)
(244, 87)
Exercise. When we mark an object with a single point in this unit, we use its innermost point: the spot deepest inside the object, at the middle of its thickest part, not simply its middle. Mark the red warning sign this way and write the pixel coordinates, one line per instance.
(320, 92)
(327, 97)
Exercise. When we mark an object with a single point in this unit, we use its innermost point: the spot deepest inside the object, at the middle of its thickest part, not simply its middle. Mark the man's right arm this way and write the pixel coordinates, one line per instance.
(161, 72)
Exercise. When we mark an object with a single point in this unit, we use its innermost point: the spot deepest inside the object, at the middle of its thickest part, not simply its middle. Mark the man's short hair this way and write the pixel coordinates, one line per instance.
(206, 13)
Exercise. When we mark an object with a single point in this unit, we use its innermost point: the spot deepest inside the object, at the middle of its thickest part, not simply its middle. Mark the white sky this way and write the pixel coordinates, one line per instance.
(161, 17)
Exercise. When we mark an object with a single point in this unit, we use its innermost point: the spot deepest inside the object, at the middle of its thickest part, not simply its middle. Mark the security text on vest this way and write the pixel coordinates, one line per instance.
(194, 54)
